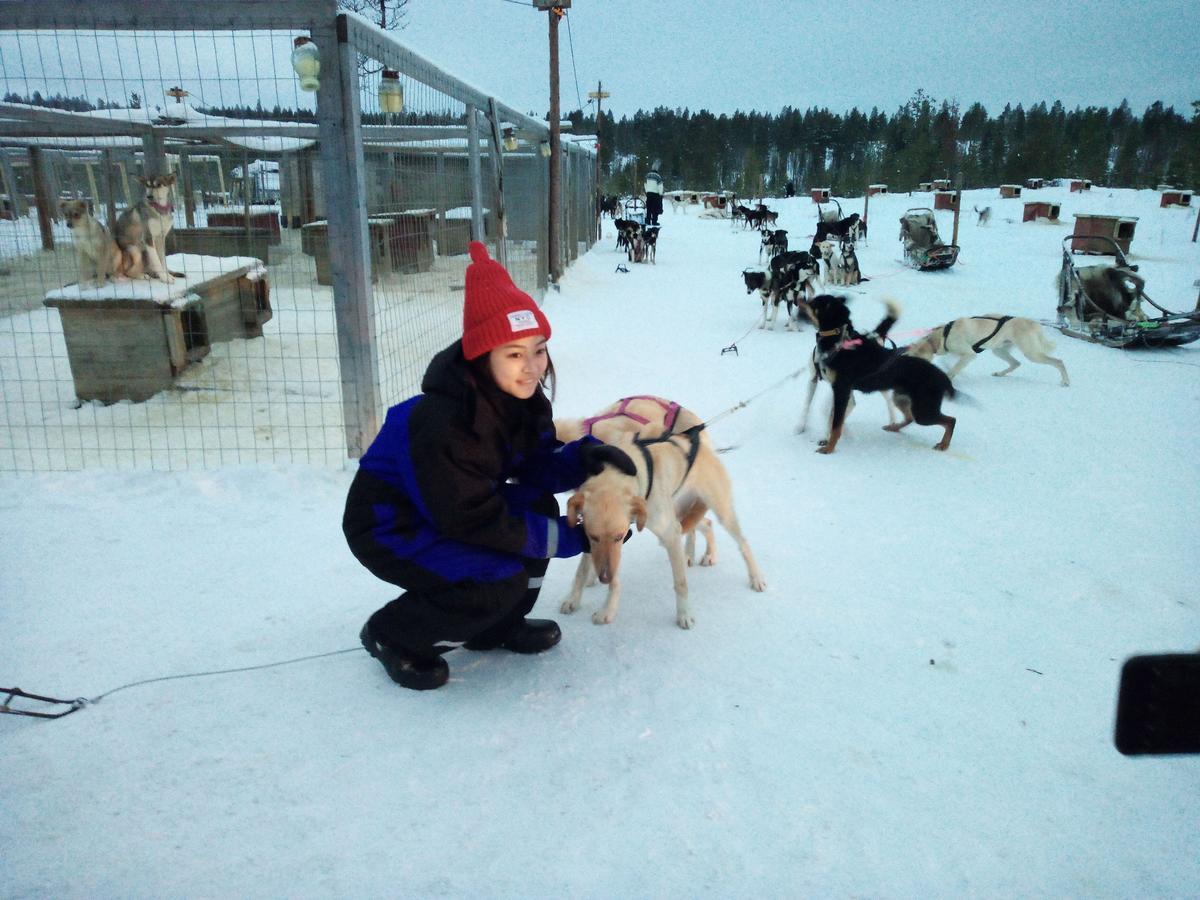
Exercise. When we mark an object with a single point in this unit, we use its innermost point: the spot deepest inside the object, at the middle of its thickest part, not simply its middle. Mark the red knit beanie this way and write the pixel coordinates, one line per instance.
(496, 311)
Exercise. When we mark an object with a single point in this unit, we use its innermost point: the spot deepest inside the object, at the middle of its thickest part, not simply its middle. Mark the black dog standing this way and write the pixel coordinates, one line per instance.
(850, 362)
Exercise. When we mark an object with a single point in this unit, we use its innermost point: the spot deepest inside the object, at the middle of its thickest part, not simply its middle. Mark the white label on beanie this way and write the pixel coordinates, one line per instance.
(522, 320)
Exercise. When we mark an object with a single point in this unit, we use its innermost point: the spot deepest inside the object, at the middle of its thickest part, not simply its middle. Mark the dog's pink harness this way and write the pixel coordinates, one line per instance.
(671, 410)
(165, 208)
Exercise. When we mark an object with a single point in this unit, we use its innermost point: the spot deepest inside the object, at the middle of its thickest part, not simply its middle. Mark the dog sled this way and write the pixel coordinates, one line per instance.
(635, 210)
(923, 248)
(1103, 304)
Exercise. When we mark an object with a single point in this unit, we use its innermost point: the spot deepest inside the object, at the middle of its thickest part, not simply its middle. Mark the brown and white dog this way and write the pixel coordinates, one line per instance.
(99, 256)
(142, 229)
(969, 336)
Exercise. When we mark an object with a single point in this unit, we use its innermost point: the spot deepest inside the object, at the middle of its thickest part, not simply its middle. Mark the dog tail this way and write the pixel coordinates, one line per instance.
(963, 397)
(893, 307)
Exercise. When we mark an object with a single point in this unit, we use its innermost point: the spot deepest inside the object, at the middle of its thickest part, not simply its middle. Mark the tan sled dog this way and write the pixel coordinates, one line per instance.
(142, 229)
(99, 256)
(966, 338)
(644, 415)
(679, 478)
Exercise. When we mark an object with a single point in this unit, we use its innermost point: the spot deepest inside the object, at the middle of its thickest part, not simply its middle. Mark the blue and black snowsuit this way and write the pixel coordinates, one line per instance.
(454, 502)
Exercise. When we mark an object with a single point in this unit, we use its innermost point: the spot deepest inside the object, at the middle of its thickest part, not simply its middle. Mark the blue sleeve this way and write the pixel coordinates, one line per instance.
(555, 468)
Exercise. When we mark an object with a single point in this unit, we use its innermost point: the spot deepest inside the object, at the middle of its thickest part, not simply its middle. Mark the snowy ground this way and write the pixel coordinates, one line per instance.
(920, 705)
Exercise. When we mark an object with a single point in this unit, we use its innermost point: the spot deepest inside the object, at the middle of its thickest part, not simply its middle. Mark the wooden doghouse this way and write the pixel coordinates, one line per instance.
(1175, 197)
(873, 189)
(819, 195)
(941, 184)
(261, 217)
(1080, 184)
(945, 200)
(1010, 190)
(128, 340)
(925, 186)
(1118, 228)
(1034, 183)
(1041, 209)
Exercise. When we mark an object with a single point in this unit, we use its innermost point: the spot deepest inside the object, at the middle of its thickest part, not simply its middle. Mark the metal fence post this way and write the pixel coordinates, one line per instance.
(340, 124)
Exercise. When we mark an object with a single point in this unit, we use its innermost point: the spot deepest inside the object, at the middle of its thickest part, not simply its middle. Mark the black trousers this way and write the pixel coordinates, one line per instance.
(435, 614)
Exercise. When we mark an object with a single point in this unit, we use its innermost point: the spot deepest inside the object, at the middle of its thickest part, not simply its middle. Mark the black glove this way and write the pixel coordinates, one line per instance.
(594, 457)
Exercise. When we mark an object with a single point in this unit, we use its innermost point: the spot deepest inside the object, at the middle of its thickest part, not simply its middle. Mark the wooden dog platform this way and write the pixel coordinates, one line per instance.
(128, 340)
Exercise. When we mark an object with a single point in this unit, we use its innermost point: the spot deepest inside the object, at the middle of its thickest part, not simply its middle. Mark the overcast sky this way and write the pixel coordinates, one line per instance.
(725, 55)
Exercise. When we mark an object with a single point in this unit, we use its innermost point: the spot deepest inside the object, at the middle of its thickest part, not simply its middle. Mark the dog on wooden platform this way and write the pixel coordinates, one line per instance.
(969, 336)
(142, 229)
(98, 254)
(850, 362)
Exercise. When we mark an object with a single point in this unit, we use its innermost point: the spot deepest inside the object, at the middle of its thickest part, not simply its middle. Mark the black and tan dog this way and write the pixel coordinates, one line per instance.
(850, 362)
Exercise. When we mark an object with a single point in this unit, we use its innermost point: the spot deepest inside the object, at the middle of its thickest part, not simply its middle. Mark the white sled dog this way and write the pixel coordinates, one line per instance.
(967, 337)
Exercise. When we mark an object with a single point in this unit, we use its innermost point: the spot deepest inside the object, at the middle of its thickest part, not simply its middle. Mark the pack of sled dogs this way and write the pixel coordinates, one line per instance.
(137, 245)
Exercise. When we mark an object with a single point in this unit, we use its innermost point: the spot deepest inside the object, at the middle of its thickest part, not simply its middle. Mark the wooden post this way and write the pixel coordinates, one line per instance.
(247, 188)
(8, 176)
(189, 202)
(957, 210)
(598, 95)
(498, 214)
(474, 170)
(41, 197)
(1196, 228)
(110, 187)
(341, 151)
(866, 203)
(94, 191)
(555, 191)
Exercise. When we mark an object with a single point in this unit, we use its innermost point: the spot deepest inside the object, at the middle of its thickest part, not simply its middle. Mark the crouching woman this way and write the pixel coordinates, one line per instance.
(454, 500)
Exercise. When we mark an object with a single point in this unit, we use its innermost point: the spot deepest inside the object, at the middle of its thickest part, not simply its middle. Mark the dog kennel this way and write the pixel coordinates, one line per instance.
(1080, 184)
(1034, 183)
(1173, 197)
(819, 195)
(1010, 190)
(945, 200)
(1118, 229)
(1041, 209)
(873, 189)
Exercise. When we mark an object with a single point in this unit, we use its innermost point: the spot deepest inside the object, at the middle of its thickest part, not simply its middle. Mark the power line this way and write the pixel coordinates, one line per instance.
(571, 44)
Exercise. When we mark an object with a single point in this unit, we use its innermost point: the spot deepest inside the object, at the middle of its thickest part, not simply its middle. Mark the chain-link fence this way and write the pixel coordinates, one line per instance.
(318, 239)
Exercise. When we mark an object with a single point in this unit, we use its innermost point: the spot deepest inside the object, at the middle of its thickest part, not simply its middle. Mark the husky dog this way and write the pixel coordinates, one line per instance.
(99, 256)
(969, 336)
(142, 229)
(984, 215)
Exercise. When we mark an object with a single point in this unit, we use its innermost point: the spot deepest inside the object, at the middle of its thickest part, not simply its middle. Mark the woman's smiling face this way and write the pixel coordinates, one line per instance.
(519, 366)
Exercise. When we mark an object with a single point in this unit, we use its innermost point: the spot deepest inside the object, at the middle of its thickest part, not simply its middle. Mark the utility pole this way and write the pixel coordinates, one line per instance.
(598, 95)
(557, 9)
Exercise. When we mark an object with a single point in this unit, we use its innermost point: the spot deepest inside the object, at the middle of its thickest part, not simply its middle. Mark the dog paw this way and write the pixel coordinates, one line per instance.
(569, 606)
(685, 620)
(603, 617)
(757, 583)
(825, 448)
(709, 559)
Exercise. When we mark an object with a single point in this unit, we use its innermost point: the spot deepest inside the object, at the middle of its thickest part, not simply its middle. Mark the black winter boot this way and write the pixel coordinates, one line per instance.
(529, 636)
(407, 670)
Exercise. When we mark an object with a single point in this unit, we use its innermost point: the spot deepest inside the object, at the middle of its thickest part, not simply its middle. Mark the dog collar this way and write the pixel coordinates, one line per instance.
(831, 331)
(163, 207)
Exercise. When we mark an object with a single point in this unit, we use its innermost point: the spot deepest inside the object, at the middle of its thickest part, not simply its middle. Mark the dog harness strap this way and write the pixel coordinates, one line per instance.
(999, 320)
(693, 436)
(671, 411)
(649, 466)
(946, 333)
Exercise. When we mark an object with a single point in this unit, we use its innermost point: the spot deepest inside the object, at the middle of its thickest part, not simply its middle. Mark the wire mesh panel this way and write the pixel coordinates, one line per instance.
(199, 266)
